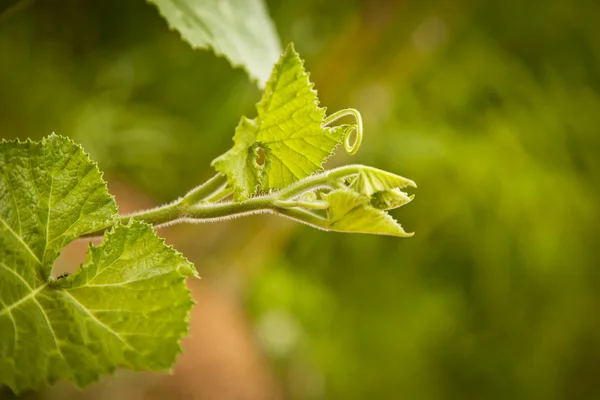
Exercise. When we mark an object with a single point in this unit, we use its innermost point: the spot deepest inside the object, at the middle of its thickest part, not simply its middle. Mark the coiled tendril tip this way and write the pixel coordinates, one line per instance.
(358, 128)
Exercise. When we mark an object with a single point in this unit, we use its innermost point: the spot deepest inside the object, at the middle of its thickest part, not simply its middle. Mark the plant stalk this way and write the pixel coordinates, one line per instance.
(202, 204)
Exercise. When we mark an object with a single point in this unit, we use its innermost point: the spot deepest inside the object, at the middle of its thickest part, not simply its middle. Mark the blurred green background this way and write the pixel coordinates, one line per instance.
(493, 108)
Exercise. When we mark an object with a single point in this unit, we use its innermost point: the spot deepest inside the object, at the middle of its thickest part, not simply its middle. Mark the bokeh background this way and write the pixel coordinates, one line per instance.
(493, 108)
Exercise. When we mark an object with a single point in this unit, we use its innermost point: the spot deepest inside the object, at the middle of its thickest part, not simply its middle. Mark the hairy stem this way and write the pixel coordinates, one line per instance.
(202, 192)
(202, 204)
(323, 179)
(219, 195)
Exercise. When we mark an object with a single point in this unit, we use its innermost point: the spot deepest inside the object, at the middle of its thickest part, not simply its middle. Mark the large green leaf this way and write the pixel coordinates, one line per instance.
(240, 30)
(289, 129)
(50, 194)
(126, 306)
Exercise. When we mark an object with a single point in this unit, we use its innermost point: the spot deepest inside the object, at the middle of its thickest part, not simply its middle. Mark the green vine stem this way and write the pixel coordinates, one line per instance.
(202, 204)
(204, 191)
(205, 203)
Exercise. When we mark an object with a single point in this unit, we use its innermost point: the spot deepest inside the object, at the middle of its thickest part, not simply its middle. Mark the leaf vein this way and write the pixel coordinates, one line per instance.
(51, 329)
(20, 239)
(23, 299)
(14, 199)
(96, 320)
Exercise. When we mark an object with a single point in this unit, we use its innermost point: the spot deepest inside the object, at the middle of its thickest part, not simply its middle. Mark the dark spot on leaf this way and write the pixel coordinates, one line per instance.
(260, 156)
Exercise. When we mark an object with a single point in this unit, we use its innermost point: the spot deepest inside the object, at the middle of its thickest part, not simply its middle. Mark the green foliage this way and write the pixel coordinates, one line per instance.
(289, 129)
(239, 164)
(51, 193)
(490, 106)
(241, 31)
(127, 306)
(349, 211)
(383, 188)
(292, 132)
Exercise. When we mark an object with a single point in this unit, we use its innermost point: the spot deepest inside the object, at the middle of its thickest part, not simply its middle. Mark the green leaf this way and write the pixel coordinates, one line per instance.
(239, 163)
(290, 125)
(125, 307)
(351, 212)
(50, 194)
(289, 129)
(390, 199)
(241, 31)
(383, 187)
(372, 180)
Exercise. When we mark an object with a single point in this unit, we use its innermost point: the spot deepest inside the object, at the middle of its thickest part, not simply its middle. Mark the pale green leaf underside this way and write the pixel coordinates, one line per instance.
(126, 306)
(349, 211)
(383, 187)
(372, 180)
(240, 30)
(239, 163)
(289, 129)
